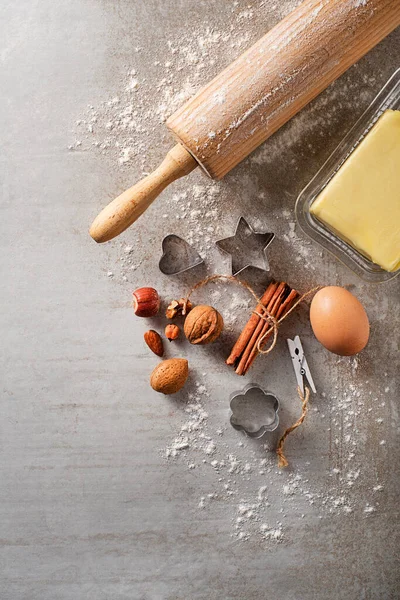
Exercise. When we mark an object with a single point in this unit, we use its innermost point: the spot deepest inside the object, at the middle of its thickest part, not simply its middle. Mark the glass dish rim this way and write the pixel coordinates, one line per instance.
(387, 98)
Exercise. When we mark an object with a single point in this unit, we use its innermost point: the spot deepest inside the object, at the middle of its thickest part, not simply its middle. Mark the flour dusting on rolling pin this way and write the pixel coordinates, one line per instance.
(257, 94)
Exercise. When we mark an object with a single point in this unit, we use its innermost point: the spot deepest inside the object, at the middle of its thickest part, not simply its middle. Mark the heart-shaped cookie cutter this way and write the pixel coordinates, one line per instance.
(178, 256)
(254, 410)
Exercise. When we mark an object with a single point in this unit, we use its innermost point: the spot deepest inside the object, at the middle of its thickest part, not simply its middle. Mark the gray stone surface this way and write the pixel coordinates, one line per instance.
(89, 506)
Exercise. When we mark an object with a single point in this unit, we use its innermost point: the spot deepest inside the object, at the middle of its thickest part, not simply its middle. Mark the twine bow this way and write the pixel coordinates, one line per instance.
(266, 316)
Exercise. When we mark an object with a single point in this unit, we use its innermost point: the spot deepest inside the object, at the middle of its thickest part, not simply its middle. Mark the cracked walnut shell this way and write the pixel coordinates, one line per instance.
(203, 325)
(177, 308)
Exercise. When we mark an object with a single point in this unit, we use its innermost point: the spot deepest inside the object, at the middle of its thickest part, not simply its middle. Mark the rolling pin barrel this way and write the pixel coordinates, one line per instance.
(259, 92)
(277, 77)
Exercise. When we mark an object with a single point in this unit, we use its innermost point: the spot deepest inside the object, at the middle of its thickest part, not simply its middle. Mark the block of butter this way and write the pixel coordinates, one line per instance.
(361, 203)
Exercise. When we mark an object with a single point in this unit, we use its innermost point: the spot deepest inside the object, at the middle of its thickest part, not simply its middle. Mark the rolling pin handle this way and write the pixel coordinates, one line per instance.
(126, 208)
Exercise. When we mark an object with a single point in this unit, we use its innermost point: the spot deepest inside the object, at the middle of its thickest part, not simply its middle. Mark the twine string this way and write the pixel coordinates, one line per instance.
(265, 315)
(282, 461)
(275, 323)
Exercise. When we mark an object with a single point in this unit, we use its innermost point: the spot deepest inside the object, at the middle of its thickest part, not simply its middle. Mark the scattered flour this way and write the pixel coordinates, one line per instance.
(119, 128)
(261, 497)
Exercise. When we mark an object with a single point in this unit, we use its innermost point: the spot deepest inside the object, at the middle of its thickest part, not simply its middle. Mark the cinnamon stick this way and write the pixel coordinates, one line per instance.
(277, 312)
(277, 299)
(240, 370)
(287, 304)
(251, 325)
(252, 351)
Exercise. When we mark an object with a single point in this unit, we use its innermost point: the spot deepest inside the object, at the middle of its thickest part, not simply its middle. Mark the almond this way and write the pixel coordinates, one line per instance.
(170, 376)
(154, 342)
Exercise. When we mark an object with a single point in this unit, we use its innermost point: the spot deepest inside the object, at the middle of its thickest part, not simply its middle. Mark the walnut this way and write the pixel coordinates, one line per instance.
(203, 325)
(177, 308)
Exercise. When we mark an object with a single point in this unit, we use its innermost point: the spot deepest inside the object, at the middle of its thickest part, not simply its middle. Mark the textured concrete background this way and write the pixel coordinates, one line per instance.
(89, 507)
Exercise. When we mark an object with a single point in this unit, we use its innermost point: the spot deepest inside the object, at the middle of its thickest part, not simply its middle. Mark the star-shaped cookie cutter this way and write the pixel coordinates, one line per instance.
(247, 248)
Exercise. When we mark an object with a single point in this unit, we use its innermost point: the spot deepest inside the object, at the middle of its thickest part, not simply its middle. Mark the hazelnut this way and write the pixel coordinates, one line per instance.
(172, 332)
(177, 308)
(154, 342)
(146, 302)
(170, 375)
(203, 325)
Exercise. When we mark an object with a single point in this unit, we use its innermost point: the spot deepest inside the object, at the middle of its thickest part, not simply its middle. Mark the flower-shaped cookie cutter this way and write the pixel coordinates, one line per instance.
(254, 410)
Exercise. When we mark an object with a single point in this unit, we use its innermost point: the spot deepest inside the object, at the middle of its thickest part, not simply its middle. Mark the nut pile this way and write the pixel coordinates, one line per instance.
(203, 325)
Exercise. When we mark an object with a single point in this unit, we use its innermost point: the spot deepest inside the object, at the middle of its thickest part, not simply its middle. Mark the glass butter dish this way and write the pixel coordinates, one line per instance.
(388, 98)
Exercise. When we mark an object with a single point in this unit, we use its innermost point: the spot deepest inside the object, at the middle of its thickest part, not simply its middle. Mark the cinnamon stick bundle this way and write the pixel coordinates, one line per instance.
(278, 298)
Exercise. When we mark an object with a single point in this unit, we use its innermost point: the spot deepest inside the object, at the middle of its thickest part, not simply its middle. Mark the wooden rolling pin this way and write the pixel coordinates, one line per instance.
(257, 94)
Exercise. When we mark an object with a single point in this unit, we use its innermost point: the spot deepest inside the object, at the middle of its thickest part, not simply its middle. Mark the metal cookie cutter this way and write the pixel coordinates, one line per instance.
(247, 248)
(254, 411)
(178, 256)
(300, 365)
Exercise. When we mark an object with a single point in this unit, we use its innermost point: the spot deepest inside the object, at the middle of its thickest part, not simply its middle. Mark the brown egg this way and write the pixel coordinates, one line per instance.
(339, 321)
